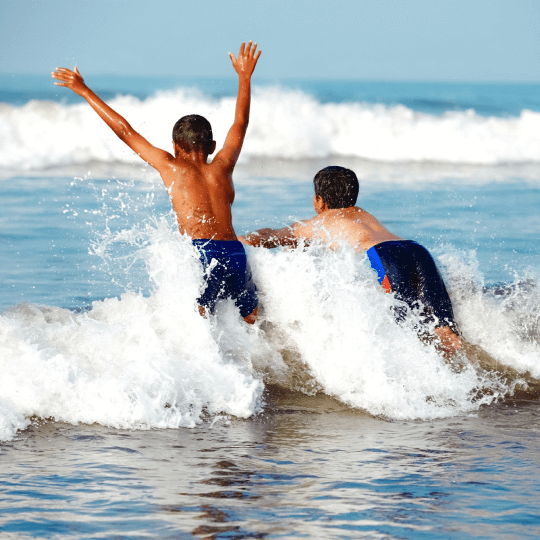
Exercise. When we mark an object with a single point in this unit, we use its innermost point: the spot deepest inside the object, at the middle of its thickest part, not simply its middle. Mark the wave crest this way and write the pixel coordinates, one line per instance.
(284, 124)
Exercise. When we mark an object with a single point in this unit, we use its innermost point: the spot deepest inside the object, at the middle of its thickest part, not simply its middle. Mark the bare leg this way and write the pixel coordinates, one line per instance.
(252, 317)
(450, 341)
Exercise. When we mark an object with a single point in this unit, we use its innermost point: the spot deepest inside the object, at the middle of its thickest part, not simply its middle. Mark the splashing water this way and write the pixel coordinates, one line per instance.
(151, 361)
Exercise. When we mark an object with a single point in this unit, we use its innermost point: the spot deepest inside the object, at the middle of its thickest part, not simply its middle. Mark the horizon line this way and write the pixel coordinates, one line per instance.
(284, 78)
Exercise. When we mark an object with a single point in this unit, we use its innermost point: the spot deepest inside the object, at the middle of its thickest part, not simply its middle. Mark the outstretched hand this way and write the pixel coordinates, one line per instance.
(71, 79)
(247, 59)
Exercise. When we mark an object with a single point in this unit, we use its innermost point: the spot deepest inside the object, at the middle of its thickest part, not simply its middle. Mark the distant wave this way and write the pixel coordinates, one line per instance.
(284, 125)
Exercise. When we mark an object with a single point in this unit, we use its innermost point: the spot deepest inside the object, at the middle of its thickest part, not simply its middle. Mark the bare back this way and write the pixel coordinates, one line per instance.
(353, 225)
(202, 195)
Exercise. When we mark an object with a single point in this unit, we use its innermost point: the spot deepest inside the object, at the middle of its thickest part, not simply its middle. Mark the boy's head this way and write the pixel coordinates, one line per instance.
(193, 133)
(337, 187)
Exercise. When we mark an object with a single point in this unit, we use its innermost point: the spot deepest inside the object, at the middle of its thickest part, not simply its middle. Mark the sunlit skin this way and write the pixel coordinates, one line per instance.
(201, 193)
(333, 227)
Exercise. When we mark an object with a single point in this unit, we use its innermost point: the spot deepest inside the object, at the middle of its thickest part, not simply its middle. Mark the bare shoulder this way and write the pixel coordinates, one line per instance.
(171, 168)
(225, 160)
(219, 166)
(360, 218)
(161, 159)
(369, 220)
(358, 214)
(304, 228)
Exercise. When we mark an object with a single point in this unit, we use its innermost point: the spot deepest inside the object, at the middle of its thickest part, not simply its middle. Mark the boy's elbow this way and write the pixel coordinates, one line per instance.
(123, 134)
(123, 130)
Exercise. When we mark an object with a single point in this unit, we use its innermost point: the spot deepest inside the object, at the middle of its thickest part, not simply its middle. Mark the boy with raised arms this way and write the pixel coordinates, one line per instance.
(402, 266)
(201, 193)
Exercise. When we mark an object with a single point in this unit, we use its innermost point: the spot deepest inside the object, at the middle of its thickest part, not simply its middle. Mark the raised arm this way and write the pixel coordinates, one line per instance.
(74, 81)
(244, 65)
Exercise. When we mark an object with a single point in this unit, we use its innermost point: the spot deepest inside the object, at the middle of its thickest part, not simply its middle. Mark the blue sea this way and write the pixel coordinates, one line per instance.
(124, 414)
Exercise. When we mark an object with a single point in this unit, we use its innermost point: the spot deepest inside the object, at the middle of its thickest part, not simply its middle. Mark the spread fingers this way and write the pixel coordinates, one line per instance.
(60, 76)
(63, 70)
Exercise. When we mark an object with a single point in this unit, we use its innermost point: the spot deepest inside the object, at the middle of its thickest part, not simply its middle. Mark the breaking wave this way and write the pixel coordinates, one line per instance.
(285, 124)
(150, 361)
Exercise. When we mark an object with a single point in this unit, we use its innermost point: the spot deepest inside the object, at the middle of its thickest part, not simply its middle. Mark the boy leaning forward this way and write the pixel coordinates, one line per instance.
(201, 193)
(403, 267)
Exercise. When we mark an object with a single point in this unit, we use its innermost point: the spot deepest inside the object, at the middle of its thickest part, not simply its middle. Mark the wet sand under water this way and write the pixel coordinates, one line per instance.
(308, 466)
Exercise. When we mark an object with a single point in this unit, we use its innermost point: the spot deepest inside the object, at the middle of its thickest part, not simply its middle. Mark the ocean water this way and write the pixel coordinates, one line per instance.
(124, 414)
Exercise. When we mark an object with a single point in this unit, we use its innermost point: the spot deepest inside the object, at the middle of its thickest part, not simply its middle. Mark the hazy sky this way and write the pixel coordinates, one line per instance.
(437, 40)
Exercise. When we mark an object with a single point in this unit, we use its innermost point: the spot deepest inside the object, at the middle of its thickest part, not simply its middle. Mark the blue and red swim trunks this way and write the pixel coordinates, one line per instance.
(227, 275)
(407, 269)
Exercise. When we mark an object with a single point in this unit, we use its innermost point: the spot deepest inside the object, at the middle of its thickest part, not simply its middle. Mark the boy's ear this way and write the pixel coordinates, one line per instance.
(212, 148)
(319, 204)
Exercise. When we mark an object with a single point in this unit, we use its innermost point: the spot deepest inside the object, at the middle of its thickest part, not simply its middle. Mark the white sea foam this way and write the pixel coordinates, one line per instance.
(284, 125)
(132, 362)
(142, 362)
(504, 321)
(328, 311)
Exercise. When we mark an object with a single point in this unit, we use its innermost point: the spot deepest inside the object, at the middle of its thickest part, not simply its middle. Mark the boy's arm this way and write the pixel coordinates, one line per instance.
(270, 238)
(288, 236)
(244, 65)
(74, 81)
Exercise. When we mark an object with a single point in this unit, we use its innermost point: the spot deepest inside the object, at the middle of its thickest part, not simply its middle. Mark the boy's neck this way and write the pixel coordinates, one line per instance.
(340, 211)
(195, 157)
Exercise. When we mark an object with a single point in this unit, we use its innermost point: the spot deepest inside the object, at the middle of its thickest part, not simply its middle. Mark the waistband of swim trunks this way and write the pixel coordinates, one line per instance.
(382, 246)
(230, 247)
(394, 243)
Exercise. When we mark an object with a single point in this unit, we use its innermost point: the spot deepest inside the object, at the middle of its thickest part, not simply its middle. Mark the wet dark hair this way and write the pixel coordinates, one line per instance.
(193, 133)
(337, 186)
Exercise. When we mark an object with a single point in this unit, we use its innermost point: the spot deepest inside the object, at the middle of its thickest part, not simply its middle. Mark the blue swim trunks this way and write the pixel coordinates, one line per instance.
(227, 275)
(407, 269)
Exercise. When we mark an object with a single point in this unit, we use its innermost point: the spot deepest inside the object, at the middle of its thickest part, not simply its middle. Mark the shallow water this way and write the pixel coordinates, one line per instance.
(489, 210)
(306, 467)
